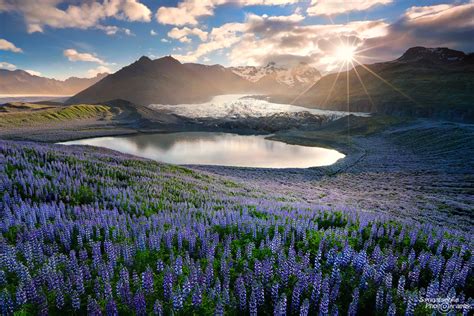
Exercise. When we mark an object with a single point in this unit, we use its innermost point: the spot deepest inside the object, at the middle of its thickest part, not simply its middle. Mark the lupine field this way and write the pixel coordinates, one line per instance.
(88, 231)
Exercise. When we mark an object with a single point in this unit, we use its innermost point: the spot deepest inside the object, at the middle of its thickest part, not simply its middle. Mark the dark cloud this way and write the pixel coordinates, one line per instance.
(431, 26)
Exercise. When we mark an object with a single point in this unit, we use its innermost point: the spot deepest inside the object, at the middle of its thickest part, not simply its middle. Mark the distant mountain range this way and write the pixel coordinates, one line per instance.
(167, 81)
(22, 82)
(433, 82)
(274, 78)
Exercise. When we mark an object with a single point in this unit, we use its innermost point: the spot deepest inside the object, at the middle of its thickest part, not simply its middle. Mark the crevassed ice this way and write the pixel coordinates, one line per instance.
(241, 105)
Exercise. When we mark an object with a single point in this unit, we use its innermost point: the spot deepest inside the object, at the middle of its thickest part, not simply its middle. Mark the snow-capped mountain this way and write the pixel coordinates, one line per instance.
(299, 76)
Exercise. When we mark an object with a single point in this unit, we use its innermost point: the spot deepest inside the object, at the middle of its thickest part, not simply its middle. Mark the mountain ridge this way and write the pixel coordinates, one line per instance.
(148, 81)
(21, 82)
(427, 82)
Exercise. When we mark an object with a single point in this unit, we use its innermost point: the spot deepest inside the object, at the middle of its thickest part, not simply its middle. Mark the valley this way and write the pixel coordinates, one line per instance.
(181, 188)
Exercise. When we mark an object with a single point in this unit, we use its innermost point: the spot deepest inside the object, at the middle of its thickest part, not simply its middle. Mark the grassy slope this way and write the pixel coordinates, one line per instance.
(420, 91)
(34, 114)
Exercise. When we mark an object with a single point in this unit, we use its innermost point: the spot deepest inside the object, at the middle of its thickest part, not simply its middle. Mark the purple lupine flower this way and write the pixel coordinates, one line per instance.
(219, 311)
(147, 281)
(139, 303)
(295, 299)
(177, 299)
(6, 303)
(280, 307)
(3, 278)
(197, 297)
(93, 308)
(401, 286)
(324, 306)
(59, 300)
(253, 304)
(111, 308)
(159, 265)
(379, 299)
(410, 310)
(274, 293)
(76, 301)
(241, 293)
(353, 306)
(157, 308)
(167, 284)
(20, 295)
(304, 309)
(178, 266)
(392, 310)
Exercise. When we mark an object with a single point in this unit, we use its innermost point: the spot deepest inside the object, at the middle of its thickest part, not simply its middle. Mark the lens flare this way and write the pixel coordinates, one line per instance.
(345, 53)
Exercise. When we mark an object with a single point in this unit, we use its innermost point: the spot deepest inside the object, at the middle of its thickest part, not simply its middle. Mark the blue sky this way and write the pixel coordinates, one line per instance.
(107, 35)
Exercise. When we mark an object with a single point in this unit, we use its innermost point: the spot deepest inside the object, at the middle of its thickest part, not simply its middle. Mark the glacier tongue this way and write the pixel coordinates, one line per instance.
(240, 106)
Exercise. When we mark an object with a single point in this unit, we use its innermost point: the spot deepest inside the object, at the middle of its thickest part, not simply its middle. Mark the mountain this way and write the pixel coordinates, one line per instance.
(21, 82)
(221, 77)
(272, 78)
(431, 82)
(165, 81)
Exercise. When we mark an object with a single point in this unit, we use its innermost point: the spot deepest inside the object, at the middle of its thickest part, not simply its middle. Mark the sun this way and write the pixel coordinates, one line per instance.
(345, 53)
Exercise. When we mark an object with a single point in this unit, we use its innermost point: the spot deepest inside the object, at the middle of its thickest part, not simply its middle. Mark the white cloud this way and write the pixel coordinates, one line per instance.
(113, 30)
(283, 39)
(74, 55)
(8, 66)
(153, 33)
(88, 14)
(220, 37)
(164, 40)
(136, 11)
(33, 72)
(99, 70)
(183, 33)
(334, 7)
(6, 45)
(189, 11)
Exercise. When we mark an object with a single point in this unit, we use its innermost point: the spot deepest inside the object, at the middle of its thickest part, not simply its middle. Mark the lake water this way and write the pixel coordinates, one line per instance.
(223, 149)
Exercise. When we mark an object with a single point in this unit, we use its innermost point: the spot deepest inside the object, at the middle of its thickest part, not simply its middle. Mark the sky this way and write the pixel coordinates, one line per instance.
(63, 38)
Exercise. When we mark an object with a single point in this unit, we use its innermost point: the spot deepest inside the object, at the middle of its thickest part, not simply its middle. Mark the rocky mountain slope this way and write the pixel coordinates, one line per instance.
(430, 82)
(21, 82)
(167, 81)
(164, 80)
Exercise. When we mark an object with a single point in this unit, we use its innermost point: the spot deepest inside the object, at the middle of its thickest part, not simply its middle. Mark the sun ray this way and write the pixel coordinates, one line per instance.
(363, 85)
(386, 82)
(333, 84)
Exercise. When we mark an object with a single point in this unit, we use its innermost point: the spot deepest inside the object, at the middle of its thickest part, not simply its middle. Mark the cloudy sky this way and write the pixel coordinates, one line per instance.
(62, 38)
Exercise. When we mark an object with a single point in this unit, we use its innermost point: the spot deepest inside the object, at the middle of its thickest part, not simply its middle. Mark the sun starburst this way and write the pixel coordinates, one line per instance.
(345, 53)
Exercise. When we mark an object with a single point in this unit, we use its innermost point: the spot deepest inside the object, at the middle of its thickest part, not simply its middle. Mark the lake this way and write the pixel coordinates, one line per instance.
(210, 148)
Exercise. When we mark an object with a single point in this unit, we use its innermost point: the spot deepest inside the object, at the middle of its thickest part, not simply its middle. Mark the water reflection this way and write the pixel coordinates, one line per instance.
(216, 149)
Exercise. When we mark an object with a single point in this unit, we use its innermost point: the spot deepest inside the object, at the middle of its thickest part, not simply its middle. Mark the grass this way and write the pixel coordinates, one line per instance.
(46, 115)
